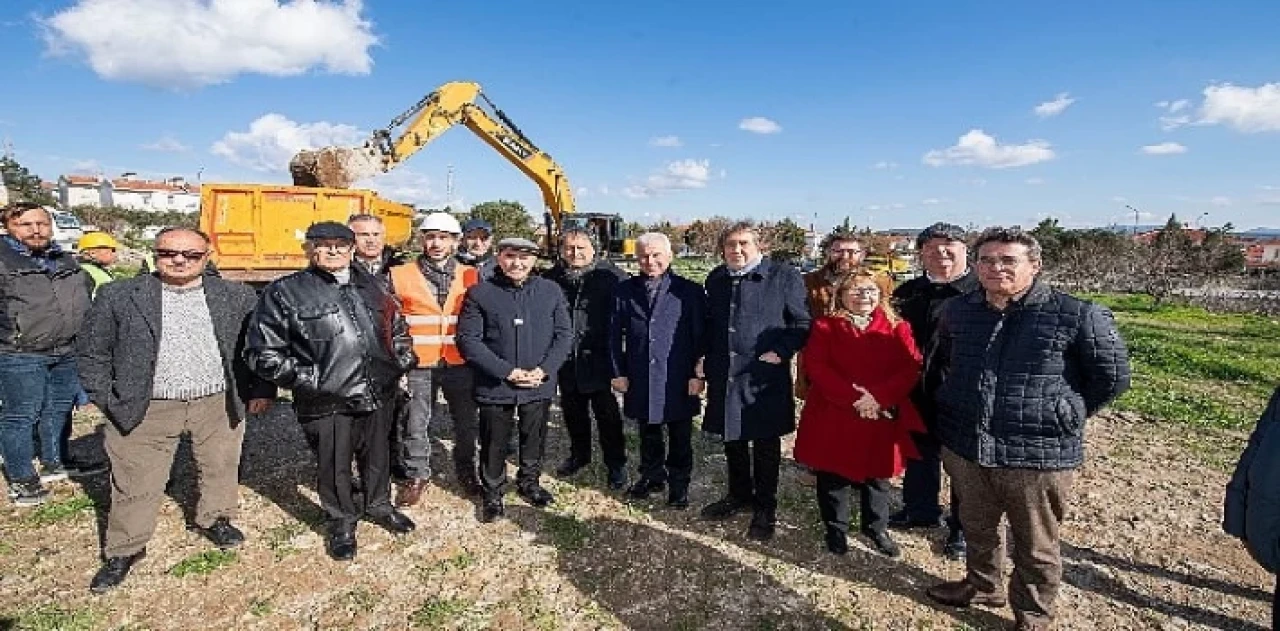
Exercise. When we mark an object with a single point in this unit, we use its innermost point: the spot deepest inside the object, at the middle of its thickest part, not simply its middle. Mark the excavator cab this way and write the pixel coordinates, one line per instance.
(610, 232)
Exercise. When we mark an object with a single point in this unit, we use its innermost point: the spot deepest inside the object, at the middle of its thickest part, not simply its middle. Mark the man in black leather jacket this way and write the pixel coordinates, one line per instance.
(334, 336)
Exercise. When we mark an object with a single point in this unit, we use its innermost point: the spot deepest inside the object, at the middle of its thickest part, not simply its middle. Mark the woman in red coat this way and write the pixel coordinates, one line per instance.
(855, 430)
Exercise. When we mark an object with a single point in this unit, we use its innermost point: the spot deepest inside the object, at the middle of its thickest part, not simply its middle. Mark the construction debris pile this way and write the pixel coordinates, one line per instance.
(333, 167)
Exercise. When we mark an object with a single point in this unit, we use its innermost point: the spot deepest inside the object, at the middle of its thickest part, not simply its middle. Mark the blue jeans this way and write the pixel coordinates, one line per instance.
(38, 391)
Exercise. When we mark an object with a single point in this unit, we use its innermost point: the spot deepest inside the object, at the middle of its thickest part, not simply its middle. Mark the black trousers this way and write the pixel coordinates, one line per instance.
(923, 481)
(833, 502)
(662, 462)
(337, 439)
(578, 408)
(753, 471)
(496, 425)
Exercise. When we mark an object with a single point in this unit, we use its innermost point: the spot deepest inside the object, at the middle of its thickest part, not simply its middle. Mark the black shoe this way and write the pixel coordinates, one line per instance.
(617, 479)
(492, 510)
(678, 498)
(77, 468)
(394, 522)
(955, 548)
(884, 544)
(643, 487)
(762, 526)
(113, 572)
(901, 520)
(222, 534)
(571, 466)
(342, 545)
(725, 507)
(536, 496)
(837, 542)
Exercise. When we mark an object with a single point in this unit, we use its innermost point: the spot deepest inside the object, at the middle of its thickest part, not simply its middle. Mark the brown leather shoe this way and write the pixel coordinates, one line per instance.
(410, 492)
(964, 594)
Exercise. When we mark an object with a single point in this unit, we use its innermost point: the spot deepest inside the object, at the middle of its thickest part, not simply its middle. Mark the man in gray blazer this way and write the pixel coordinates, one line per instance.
(161, 355)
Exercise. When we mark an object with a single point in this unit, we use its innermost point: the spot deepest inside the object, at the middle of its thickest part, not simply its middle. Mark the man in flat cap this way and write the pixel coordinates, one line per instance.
(515, 332)
(334, 335)
(477, 238)
(947, 274)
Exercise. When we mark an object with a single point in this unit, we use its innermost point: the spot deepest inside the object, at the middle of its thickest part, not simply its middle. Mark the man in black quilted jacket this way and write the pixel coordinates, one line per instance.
(1019, 368)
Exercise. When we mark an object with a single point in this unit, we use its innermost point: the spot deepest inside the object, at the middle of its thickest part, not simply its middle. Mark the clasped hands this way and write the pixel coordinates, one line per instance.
(696, 386)
(866, 405)
(527, 378)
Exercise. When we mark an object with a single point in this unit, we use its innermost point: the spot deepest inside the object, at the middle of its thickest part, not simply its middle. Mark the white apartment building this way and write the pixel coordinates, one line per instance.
(171, 195)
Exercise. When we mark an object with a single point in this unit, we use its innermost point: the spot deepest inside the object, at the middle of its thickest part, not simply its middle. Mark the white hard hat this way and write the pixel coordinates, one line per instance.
(444, 222)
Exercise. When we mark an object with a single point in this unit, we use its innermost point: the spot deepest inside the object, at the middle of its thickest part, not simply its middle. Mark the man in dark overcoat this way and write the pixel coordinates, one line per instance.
(758, 319)
(588, 283)
(657, 342)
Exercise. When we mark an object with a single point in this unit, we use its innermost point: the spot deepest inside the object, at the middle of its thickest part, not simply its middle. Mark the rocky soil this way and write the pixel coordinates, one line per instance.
(1143, 550)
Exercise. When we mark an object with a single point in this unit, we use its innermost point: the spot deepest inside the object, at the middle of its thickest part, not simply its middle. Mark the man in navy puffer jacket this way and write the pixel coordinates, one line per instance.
(1019, 368)
(1253, 497)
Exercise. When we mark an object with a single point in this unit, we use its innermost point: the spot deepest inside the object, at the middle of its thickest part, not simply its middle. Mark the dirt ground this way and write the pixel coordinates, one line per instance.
(1143, 550)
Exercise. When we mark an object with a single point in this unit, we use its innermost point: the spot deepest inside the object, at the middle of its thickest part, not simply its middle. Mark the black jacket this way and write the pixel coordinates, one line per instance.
(120, 341)
(1252, 511)
(590, 299)
(504, 327)
(390, 258)
(40, 312)
(1017, 385)
(920, 302)
(339, 348)
(748, 316)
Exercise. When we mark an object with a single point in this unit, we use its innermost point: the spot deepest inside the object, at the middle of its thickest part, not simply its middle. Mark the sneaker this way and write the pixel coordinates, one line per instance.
(51, 473)
(27, 492)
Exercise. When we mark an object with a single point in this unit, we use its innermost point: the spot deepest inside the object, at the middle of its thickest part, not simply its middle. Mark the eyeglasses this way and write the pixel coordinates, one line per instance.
(190, 255)
(865, 291)
(843, 251)
(339, 247)
(1002, 261)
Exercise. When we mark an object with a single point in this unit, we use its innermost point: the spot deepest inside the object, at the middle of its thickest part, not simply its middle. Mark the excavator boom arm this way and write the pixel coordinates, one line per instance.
(452, 104)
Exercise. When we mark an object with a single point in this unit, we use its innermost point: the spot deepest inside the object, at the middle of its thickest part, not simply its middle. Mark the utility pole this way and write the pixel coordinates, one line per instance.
(1135, 218)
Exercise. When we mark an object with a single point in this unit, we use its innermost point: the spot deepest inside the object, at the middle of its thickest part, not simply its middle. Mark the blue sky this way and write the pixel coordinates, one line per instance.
(893, 113)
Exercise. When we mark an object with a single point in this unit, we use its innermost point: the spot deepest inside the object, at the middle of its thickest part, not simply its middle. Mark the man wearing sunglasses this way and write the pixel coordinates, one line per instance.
(160, 356)
(334, 335)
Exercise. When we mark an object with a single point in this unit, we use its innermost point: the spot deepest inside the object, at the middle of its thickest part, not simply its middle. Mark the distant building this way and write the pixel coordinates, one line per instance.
(171, 195)
(1262, 253)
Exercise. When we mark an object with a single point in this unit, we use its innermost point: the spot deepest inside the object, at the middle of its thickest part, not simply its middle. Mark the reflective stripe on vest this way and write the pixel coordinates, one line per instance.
(100, 277)
(432, 326)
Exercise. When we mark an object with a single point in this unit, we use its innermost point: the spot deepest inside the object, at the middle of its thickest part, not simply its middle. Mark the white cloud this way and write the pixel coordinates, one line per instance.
(979, 149)
(679, 175)
(885, 164)
(604, 189)
(273, 139)
(931, 201)
(759, 125)
(86, 166)
(1035, 181)
(583, 191)
(1058, 105)
(192, 43)
(1164, 149)
(1119, 200)
(665, 141)
(1221, 200)
(1172, 118)
(166, 143)
(407, 186)
(1244, 109)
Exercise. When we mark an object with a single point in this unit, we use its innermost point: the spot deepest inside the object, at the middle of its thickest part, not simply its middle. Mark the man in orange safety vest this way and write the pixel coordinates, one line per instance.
(431, 292)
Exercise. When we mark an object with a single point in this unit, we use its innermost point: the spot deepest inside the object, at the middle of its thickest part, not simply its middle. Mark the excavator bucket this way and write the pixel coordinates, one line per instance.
(332, 167)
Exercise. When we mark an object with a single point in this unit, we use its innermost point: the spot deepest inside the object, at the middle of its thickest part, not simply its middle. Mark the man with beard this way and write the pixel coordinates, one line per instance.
(431, 293)
(844, 253)
(477, 237)
(588, 284)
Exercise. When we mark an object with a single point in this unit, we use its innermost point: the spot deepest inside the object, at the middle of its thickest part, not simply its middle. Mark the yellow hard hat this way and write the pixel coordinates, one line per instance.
(97, 240)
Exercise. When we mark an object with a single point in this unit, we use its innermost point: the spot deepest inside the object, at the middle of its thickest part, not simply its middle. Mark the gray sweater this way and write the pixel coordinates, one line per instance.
(189, 364)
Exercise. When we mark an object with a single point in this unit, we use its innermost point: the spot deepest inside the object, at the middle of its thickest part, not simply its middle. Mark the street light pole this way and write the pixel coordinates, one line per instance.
(1135, 218)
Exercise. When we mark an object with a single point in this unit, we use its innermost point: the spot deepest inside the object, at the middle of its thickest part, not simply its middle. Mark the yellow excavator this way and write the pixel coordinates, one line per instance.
(452, 104)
